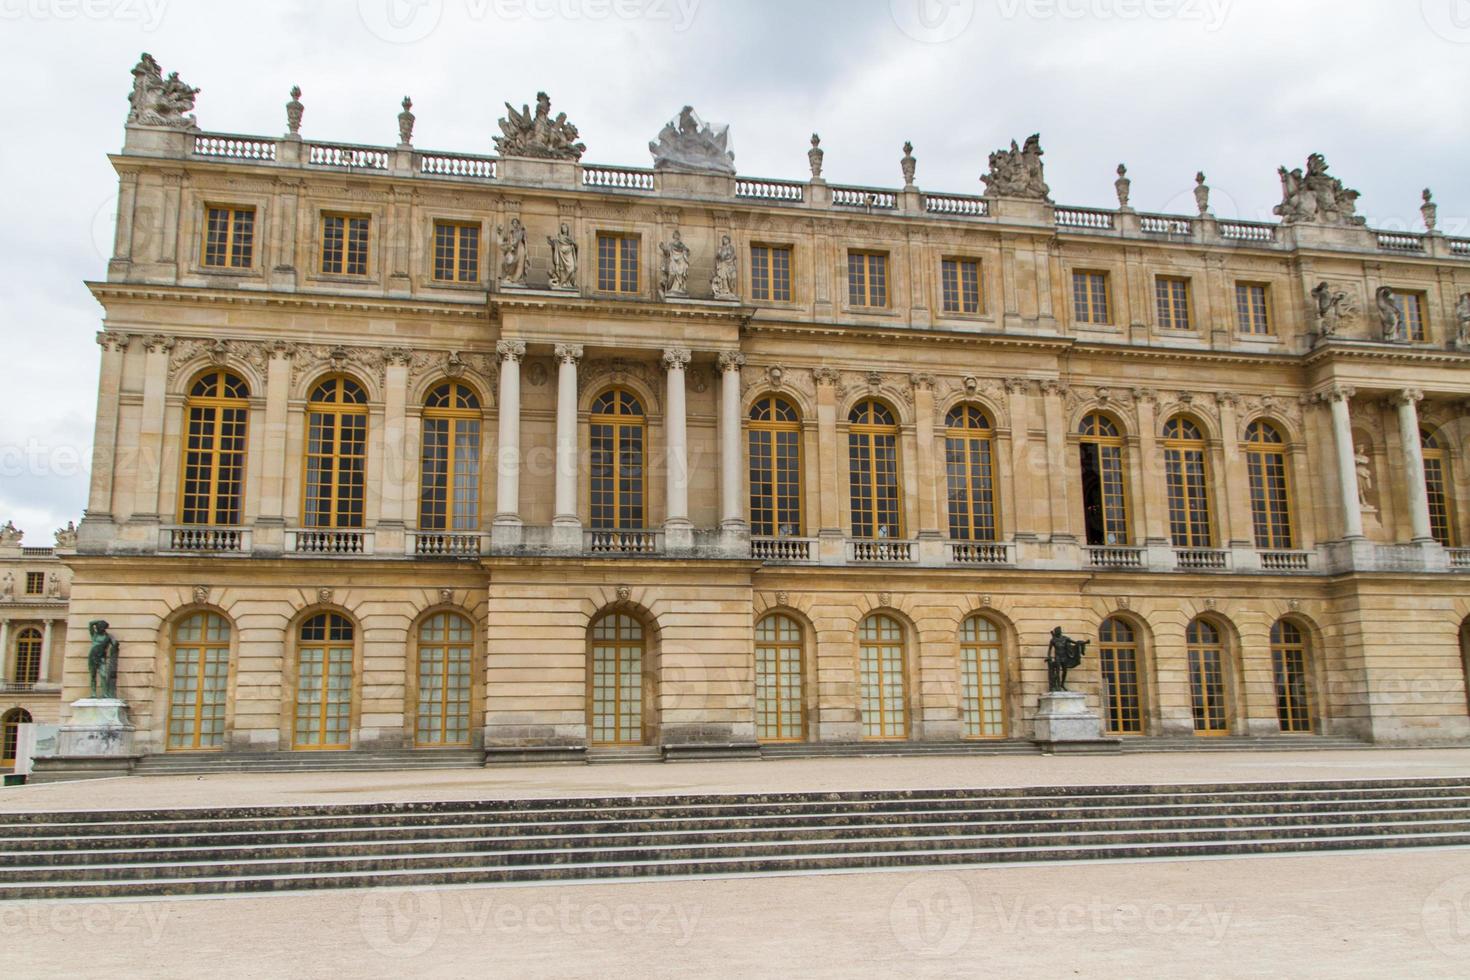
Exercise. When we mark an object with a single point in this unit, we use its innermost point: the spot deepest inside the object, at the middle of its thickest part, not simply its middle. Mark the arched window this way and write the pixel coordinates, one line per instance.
(1207, 679)
(10, 734)
(449, 483)
(28, 644)
(775, 468)
(1436, 487)
(1265, 457)
(199, 683)
(446, 655)
(615, 708)
(1289, 665)
(882, 669)
(1104, 497)
(618, 435)
(779, 706)
(336, 454)
(982, 678)
(1186, 478)
(217, 411)
(872, 469)
(969, 465)
(1117, 656)
(1465, 658)
(324, 683)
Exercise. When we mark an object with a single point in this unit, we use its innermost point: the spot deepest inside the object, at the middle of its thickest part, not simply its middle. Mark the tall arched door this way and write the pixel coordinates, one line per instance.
(882, 664)
(618, 651)
(198, 682)
(10, 735)
(324, 683)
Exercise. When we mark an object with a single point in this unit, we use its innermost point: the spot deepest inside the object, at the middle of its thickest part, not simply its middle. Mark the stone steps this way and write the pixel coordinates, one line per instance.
(205, 763)
(91, 854)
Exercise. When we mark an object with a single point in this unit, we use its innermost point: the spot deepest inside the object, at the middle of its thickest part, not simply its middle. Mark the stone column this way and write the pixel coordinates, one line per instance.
(43, 675)
(152, 421)
(1237, 527)
(506, 530)
(933, 529)
(1338, 397)
(1059, 472)
(678, 531)
(830, 456)
(566, 526)
(104, 453)
(396, 489)
(271, 515)
(1407, 402)
(4, 650)
(732, 504)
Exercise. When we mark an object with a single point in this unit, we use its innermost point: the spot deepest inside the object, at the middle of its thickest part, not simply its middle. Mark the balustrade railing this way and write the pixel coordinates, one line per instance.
(1195, 559)
(1084, 218)
(617, 178)
(1254, 232)
(622, 542)
(1459, 557)
(1460, 246)
(205, 540)
(1163, 224)
(958, 205)
(770, 190)
(457, 165)
(884, 551)
(222, 146)
(332, 543)
(1285, 561)
(783, 549)
(1114, 556)
(446, 544)
(37, 552)
(872, 198)
(979, 553)
(346, 157)
(1392, 241)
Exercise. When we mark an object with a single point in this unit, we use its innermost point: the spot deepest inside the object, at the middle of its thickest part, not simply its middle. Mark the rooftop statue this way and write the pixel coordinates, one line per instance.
(1316, 197)
(528, 134)
(159, 101)
(10, 534)
(66, 537)
(1017, 172)
(688, 143)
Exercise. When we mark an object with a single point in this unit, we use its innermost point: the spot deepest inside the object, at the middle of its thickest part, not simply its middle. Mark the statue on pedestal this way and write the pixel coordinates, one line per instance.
(1391, 315)
(1462, 317)
(537, 134)
(159, 101)
(1315, 196)
(688, 143)
(102, 661)
(512, 253)
(674, 269)
(722, 284)
(1062, 654)
(1017, 172)
(563, 259)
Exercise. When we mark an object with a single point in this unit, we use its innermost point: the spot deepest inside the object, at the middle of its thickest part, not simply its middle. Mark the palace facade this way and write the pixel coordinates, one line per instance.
(400, 449)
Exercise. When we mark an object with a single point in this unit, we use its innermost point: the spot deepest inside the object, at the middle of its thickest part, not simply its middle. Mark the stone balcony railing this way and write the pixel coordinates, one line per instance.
(631, 542)
(194, 540)
(439, 166)
(313, 542)
(881, 551)
(447, 544)
(784, 549)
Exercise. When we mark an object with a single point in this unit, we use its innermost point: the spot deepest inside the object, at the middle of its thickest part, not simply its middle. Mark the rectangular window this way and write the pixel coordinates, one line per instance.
(229, 238)
(1172, 296)
(617, 263)
(456, 252)
(1412, 305)
(1090, 297)
(867, 279)
(344, 245)
(770, 273)
(1252, 313)
(35, 583)
(960, 285)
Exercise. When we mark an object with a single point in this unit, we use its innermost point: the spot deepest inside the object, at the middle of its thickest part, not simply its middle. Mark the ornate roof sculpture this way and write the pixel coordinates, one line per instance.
(1017, 172)
(1315, 197)
(159, 101)
(688, 143)
(536, 134)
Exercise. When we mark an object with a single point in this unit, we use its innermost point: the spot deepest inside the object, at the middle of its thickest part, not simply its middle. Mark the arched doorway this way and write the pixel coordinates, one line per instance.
(779, 689)
(10, 734)
(445, 680)
(1207, 691)
(883, 683)
(982, 679)
(199, 682)
(618, 683)
(324, 682)
(1289, 667)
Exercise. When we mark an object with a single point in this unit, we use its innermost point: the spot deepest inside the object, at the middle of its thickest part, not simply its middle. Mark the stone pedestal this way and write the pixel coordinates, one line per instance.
(1064, 723)
(99, 728)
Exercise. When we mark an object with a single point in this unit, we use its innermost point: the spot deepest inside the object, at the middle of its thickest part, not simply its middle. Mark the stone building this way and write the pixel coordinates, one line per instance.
(34, 586)
(400, 449)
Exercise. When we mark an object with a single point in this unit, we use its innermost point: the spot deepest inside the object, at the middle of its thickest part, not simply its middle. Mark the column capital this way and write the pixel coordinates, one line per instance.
(110, 341)
(510, 350)
(1053, 386)
(568, 353)
(158, 343)
(1406, 396)
(1338, 393)
(922, 382)
(826, 377)
(731, 360)
(1227, 398)
(676, 358)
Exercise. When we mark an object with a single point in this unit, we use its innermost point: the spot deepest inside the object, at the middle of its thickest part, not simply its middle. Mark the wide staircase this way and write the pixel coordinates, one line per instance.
(224, 850)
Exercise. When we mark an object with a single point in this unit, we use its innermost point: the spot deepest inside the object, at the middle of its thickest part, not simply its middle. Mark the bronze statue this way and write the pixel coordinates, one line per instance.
(102, 660)
(1062, 654)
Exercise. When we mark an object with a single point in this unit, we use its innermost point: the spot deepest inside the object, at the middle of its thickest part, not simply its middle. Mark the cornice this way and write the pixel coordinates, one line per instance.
(546, 303)
(105, 292)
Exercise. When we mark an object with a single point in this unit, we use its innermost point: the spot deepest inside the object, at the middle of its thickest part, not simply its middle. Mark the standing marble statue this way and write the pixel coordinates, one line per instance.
(722, 284)
(1462, 317)
(1330, 308)
(1363, 467)
(102, 660)
(8, 589)
(1395, 329)
(563, 273)
(512, 253)
(674, 268)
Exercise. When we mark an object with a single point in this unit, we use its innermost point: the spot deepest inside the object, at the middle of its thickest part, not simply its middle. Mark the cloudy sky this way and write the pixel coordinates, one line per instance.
(1232, 87)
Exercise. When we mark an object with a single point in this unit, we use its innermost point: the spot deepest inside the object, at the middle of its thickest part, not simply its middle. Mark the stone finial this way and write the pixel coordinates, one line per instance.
(294, 112)
(908, 164)
(814, 157)
(1429, 210)
(1201, 194)
(405, 123)
(1122, 185)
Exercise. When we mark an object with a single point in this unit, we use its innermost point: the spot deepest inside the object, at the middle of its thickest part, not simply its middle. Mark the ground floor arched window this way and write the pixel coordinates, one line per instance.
(1293, 683)
(618, 652)
(1207, 696)
(445, 680)
(1122, 696)
(324, 683)
(982, 683)
(779, 691)
(882, 668)
(10, 734)
(199, 682)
